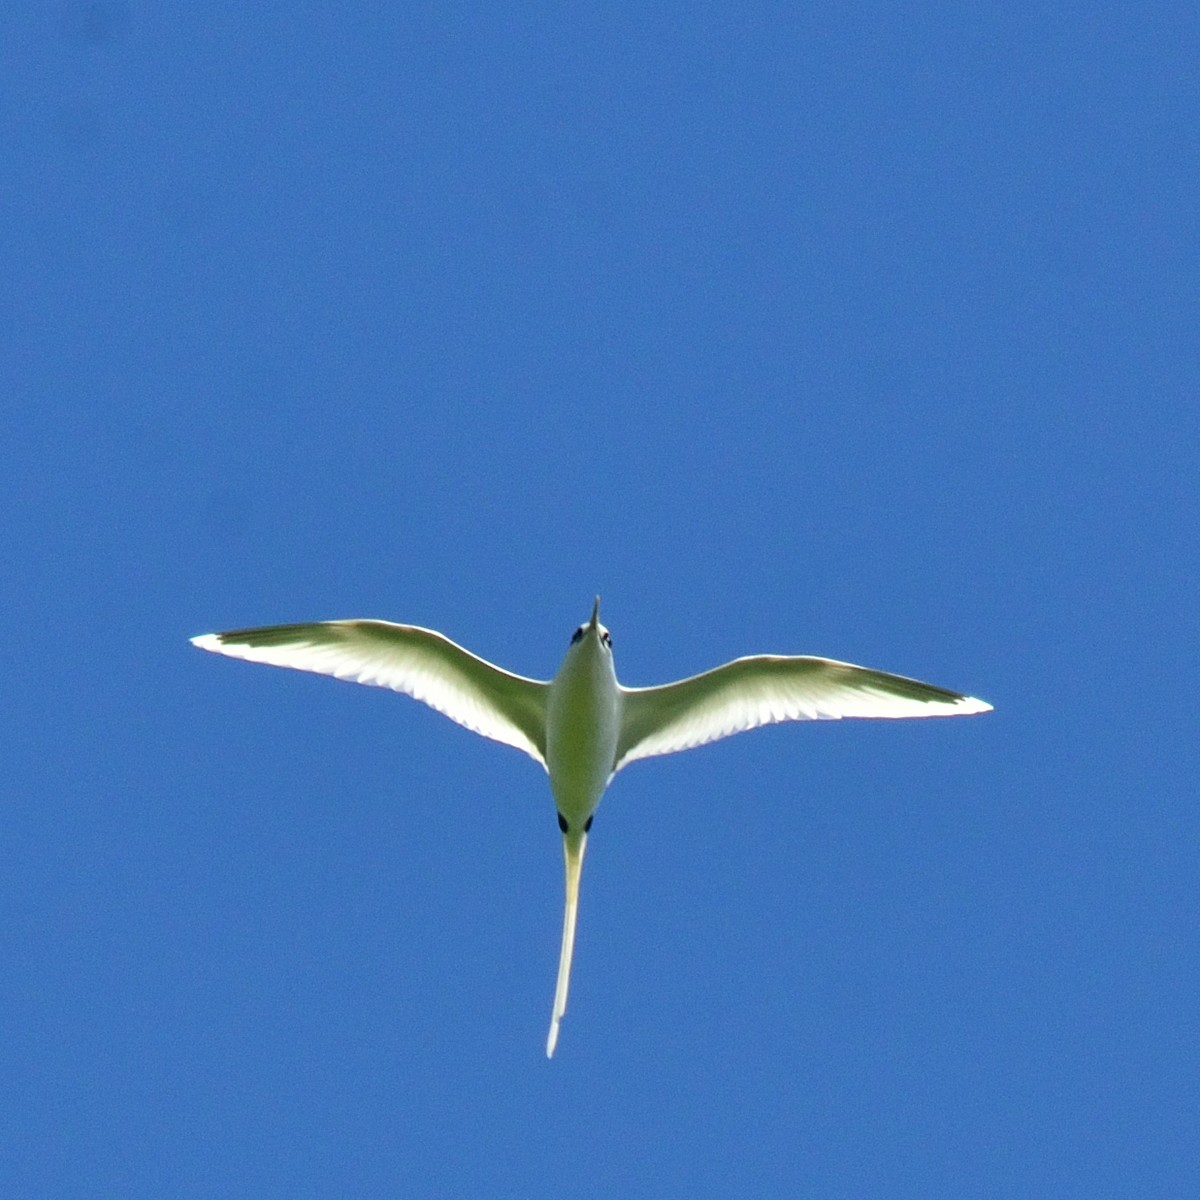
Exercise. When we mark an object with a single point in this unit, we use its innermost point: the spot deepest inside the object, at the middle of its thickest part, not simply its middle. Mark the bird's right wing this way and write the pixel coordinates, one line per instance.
(421, 663)
(763, 689)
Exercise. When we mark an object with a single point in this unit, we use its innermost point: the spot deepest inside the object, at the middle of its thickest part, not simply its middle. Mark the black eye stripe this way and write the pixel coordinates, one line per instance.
(605, 636)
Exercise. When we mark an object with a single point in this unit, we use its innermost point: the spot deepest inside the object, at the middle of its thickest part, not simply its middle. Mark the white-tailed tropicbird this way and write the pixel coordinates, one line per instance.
(583, 726)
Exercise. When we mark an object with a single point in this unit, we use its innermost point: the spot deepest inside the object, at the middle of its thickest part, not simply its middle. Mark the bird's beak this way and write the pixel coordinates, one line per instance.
(595, 621)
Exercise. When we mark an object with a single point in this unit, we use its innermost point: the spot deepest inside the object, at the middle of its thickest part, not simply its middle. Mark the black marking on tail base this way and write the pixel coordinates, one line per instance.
(562, 823)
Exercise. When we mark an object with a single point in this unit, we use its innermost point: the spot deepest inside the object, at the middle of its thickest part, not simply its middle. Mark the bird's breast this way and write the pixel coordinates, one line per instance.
(582, 723)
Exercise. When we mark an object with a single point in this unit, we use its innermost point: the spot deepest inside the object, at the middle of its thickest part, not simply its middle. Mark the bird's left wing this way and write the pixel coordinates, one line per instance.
(422, 663)
(763, 689)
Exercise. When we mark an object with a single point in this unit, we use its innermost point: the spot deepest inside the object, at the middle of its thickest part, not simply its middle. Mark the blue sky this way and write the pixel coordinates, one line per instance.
(867, 331)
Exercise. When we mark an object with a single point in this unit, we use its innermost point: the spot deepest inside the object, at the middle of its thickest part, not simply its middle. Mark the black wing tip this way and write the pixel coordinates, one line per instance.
(263, 635)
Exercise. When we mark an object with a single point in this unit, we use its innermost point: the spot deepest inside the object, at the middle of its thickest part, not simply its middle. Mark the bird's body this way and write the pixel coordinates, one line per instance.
(583, 726)
(583, 723)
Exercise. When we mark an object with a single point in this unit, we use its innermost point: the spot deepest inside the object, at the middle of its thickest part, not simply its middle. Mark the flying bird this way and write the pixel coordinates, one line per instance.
(583, 726)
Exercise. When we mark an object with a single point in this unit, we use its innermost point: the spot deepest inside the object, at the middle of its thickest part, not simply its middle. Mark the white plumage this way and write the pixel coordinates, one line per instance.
(583, 726)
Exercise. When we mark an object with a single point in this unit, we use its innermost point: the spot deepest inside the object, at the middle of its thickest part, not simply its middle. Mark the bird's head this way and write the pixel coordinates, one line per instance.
(593, 630)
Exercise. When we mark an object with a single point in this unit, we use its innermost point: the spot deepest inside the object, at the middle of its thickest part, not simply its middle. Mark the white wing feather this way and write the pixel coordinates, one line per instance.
(763, 689)
(422, 663)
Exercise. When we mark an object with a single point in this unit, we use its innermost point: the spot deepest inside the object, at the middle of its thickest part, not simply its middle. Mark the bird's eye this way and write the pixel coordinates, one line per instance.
(577, 635)
(606, 638)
